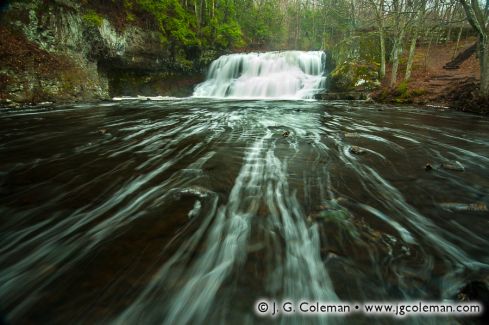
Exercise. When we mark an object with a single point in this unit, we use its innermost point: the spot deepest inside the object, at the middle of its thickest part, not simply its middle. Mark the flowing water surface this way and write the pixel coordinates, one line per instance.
(188, 211)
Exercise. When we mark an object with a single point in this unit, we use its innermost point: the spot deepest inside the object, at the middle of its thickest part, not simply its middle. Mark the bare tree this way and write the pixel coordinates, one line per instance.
(478, 20)
(398, 35)
(380, 22)
(419, 16)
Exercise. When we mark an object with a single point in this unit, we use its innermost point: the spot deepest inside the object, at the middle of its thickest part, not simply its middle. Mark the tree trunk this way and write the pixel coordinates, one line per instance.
(202, 12)
(450, 17)
(395, 63)
(412, 50)
(382, 39)
(382, 52)
(298, 27)
(478, 22)
(427, 55)
(379, 15)
(484, 63)
(397, 47)
(458, 41)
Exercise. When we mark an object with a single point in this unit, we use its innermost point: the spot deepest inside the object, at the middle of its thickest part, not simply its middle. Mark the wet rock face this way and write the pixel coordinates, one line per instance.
(132, 48)
(30, 74)
(95, 55)
(351, 80)
(45, 54)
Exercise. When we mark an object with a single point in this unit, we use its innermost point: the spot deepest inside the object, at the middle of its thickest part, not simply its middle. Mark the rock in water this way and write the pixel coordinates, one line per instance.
(195, 210)
(356, 150)
(194, 190)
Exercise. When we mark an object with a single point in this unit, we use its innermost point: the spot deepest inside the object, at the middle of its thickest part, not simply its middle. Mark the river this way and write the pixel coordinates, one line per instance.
(190, 210)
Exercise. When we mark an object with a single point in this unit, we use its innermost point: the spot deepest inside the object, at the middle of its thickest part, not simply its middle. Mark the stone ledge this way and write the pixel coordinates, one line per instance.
(350, 95)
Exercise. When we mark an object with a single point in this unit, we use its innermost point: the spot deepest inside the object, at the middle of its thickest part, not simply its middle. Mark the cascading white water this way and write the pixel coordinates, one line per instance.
(275, 75)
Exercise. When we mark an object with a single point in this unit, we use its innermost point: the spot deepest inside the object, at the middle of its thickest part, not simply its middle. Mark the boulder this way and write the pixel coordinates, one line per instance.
(354, 76)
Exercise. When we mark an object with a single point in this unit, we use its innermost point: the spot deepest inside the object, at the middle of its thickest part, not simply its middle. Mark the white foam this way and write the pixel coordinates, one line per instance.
(269, 75)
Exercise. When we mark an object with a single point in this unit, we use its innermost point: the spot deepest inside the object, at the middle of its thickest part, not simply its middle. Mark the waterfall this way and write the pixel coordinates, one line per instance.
(269, 75)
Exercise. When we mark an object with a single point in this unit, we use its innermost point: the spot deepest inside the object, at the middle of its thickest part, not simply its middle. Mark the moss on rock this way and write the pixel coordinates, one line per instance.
(354, 76)
(93, 19)
(402, 94)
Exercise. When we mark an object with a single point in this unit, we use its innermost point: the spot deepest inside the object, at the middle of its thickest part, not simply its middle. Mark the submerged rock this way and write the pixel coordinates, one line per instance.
(452, 166)
(473, 207)
(333, 213)
(455, 166)
(331, 210)
(340, 214)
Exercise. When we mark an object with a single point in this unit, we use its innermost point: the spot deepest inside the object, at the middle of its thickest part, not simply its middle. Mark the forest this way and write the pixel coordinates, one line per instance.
(379, 31)
(390, 45)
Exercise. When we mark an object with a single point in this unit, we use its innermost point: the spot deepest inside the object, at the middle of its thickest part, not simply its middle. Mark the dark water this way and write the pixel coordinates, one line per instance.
(191, 210)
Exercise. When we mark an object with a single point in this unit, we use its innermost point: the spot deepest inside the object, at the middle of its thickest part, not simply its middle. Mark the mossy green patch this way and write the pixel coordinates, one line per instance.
(355, 75)
(404, 94)
(93, 19)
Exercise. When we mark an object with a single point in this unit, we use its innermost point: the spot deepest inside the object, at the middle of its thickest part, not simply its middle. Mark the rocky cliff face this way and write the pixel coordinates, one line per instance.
(57, 50)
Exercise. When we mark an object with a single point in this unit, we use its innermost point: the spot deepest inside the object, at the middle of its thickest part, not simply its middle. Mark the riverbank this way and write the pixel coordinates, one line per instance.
(434, 86)
(431, 85)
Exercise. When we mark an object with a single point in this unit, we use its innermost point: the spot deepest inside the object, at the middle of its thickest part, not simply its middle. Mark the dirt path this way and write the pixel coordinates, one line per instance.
(429, 74)
(430, 83)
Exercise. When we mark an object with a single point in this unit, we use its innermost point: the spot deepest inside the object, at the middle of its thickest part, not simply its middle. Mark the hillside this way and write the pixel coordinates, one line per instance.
(435, 86)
